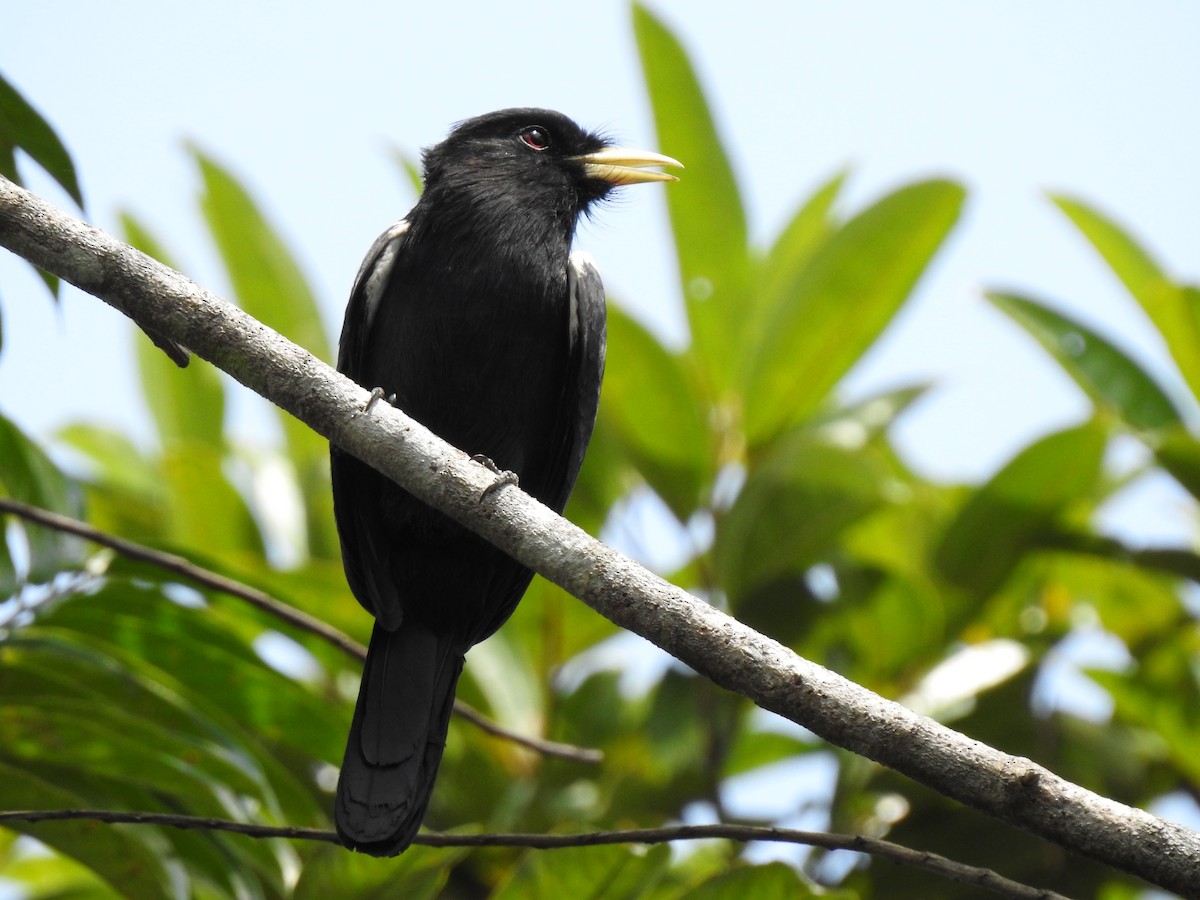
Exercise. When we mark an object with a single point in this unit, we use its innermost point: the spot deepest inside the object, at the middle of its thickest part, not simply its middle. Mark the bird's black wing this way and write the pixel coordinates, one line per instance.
(369, 287)
(588, 337)
(356, 486)
(577, 417)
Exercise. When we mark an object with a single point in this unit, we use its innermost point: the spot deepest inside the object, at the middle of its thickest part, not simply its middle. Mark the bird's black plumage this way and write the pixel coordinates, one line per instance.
(473, 311)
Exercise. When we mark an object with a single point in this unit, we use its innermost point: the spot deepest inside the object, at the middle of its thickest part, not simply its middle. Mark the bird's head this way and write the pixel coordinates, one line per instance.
(540, 156)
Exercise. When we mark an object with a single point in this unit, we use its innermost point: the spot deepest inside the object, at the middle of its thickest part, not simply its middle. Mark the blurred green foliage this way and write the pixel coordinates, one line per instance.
(123, 688)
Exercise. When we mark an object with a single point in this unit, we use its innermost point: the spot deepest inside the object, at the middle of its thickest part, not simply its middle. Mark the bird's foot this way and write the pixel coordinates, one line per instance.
(376, 395)
(503, 476)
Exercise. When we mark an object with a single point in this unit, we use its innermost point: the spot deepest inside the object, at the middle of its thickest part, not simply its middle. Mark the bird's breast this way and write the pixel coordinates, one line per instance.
(477, 351)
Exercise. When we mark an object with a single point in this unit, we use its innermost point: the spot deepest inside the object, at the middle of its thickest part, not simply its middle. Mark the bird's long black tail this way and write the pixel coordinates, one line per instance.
(396, 739)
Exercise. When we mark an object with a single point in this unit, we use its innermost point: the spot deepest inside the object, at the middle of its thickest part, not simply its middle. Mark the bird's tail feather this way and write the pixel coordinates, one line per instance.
(396, 738)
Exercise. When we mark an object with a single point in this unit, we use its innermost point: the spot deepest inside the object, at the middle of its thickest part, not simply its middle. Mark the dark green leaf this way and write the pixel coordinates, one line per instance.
(1000, 520)
(211, 693)
(1170, 715)
(705, 207)
(332, 872)
(841, 300)
(598, 873)
(1108, 376)
(773, 881)
(792, 509)
(116, 855)
(22, 126)
(28, 475)
(1174, 309)
(1179, 453)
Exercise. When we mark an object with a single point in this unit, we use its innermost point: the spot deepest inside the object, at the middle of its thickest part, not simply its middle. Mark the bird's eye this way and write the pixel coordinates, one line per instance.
(535, 137)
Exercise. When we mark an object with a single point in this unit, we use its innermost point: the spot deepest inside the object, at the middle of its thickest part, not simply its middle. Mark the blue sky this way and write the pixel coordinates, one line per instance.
(302, 100)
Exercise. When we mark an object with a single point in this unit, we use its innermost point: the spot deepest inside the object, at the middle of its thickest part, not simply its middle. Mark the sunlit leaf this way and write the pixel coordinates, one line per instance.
(1134, 603)
(188, 405)
(810, 227)
(705, 207)
(1107, 374)
(411, 169)
(205, 509)
(841, 300)
(1174, 309)
(650, 401)
(269, 284)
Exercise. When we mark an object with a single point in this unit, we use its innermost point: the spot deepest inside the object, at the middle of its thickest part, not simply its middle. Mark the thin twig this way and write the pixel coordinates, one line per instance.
(897, 853)
(545, 747)
(184, 568)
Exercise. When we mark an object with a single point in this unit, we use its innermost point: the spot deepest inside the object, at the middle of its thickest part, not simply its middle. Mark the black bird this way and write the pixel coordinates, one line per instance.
(473, 311)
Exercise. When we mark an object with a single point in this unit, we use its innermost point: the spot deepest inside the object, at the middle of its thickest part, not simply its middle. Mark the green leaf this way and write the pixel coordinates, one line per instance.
(216, 688)
(1133, 602)
(21, 126)
(269, 285)
(188, 405)
(204, 509)
(1179, 453)
(754, 749)
(605, 477)
(116, 855)
(333, 872)
(792, 509)
(28, 475)
(1000, 521)
(411, 169)
(650, 401)
(598, 873)
(1174, 309)
(1105, 373)
(112, 458)
(1170, 715)
(841, 300)
(705, 207)
(772, 881)
(809, 228)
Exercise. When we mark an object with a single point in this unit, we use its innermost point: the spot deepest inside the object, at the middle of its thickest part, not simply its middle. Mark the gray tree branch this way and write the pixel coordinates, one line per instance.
(1013, 789)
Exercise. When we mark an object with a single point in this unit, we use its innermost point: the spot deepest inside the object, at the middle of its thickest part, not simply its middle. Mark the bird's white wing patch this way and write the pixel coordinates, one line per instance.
(377, 267)
(580, 268)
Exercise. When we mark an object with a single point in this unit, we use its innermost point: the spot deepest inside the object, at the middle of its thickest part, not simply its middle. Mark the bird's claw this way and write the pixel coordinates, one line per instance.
(376, 395)
(503, 476)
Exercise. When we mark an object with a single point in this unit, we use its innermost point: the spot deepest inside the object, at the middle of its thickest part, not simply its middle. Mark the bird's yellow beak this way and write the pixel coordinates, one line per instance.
(620, 165)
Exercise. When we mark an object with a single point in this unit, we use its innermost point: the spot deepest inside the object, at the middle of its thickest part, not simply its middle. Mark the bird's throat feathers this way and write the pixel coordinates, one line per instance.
(480, 224)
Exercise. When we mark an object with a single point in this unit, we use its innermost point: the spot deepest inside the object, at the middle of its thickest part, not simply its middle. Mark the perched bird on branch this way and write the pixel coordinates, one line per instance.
(476, 315)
